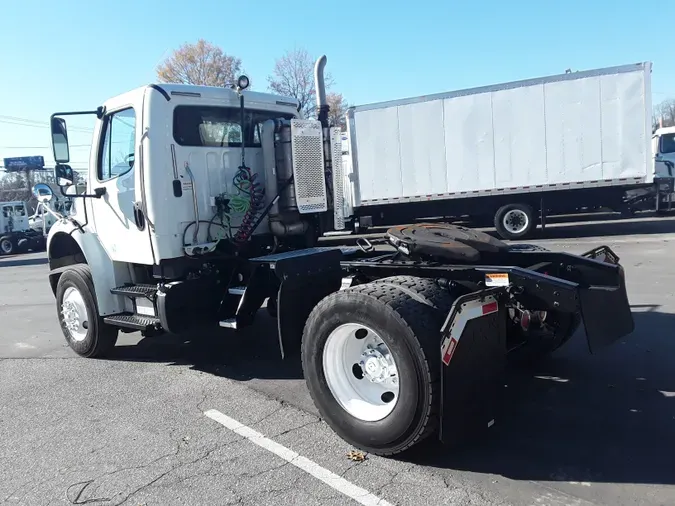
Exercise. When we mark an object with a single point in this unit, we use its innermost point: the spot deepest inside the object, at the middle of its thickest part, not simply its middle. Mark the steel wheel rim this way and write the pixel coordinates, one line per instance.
(74, 312)
(516, 221)
(354, 350)
(6, 246)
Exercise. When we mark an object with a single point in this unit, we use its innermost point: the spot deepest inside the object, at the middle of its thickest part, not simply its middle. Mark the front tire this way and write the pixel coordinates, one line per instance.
(406, 320)
(7, 246)
(82, 326)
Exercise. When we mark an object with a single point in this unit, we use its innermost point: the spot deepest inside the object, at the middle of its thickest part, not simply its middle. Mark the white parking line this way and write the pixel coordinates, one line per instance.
(331, 479)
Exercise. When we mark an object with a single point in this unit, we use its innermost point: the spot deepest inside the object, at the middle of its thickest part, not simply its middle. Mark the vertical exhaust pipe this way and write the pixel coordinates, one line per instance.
(320, 86)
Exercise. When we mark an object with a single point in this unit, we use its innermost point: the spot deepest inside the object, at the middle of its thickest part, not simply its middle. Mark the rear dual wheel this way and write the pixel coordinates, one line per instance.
(371, 357)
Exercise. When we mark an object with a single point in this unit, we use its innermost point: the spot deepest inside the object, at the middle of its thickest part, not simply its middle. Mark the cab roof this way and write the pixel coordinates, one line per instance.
(222, 94)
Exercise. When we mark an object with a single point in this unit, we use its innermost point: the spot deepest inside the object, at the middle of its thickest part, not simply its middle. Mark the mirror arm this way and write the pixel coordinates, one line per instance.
(98, 193)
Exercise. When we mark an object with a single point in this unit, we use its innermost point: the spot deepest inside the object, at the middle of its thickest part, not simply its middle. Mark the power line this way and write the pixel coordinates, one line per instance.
(45, 147)
(15, 120)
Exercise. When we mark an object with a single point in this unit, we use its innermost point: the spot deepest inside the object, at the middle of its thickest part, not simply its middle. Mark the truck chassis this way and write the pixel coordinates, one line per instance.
(395, 345)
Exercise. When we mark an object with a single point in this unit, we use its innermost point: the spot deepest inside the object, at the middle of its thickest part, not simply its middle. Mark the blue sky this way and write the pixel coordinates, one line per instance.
(68, 54)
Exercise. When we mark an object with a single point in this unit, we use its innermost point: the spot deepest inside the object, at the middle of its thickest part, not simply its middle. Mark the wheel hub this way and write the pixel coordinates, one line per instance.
(515, 221)
(361, 372)
(70, 316)
(74, 313)
(377, 367)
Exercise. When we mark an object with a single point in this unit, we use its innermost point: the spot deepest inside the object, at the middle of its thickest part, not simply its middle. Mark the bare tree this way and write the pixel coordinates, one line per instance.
(338, 110)
(664, 114)
(201, 63)
(293, 76)
(13, 187)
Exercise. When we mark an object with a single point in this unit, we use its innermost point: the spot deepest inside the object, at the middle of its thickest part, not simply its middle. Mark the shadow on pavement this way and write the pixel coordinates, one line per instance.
(609, 227)
(17, 261)
(608, 417)
(253, 353)
(603, 225)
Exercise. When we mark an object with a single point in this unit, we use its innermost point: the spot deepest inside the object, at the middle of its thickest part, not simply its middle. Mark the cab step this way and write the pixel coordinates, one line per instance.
(229, 323)
(132, 321)
(140, 290)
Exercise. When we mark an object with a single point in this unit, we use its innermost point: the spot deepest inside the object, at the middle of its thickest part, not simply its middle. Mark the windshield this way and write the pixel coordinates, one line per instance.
(209, 126)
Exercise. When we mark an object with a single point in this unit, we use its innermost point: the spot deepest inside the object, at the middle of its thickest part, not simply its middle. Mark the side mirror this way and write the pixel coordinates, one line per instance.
(64, 176)
(60, 140)
(43, 192)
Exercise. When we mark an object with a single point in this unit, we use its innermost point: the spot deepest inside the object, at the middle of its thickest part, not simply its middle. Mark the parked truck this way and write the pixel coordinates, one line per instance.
(203, 205)
(16, 235)
(512, 153)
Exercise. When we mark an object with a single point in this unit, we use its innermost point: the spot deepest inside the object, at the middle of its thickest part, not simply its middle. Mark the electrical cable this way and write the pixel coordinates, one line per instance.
(194, 223)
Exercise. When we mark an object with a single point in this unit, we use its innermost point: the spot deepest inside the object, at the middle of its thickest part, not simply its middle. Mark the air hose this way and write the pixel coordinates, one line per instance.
(250, 204)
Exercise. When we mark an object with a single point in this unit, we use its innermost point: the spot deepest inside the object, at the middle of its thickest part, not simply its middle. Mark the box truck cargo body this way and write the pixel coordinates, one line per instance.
(553, 144)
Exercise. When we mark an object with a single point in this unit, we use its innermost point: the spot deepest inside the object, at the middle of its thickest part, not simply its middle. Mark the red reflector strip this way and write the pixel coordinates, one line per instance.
(489, 308)
(450, 351)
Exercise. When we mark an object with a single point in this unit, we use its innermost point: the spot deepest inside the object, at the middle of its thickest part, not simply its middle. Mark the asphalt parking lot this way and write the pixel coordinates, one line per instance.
(581, 429)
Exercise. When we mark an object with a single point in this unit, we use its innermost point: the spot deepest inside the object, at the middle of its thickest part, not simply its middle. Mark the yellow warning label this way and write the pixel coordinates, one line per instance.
(497, 279)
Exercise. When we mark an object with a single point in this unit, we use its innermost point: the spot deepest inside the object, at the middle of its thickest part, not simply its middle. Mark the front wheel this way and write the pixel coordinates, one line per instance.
(7, 246)
(371, 358)
(84, 329)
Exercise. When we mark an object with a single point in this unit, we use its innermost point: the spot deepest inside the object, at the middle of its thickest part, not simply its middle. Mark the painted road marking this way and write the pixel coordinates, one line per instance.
(331, 479)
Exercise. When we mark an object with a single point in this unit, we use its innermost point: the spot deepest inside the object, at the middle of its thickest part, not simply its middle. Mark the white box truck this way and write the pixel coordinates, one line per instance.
(514, 152)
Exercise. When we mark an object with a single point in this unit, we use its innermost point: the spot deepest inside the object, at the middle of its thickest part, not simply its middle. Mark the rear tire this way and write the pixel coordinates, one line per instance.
(406, 314)
(82, 326)
(515, 221)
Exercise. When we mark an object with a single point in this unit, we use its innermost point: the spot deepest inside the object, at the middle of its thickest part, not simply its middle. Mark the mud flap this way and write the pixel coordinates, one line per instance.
(606, 314)
(473, 361)
(605, 309)
(306, 276)
(295, 300)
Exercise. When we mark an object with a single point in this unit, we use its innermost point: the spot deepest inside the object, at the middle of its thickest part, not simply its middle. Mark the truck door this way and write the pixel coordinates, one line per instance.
(122, 232)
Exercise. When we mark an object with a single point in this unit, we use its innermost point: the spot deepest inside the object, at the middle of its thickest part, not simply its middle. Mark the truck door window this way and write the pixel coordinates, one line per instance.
(119, 145)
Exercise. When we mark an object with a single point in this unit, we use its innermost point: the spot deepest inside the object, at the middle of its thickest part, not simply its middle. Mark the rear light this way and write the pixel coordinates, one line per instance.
(525, 319)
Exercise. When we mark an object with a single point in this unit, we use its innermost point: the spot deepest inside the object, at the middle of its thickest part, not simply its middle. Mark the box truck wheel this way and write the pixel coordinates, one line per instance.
(82, 326)
(514, 221)
(371, 359)
(7, 246)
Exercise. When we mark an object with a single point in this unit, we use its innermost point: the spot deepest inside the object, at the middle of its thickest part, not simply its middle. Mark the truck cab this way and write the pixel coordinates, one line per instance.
(14, 216)
(663, 151)
(183, 181)
(160, 156)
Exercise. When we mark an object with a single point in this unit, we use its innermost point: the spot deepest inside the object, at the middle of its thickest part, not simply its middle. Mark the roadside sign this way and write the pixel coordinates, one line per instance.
(24, 163)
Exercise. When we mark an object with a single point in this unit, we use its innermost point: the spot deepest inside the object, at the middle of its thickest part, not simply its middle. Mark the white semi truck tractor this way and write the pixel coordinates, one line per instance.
(202, 203)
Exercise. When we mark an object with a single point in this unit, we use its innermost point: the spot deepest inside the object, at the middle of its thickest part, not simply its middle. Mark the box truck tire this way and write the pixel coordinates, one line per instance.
(515, 221)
